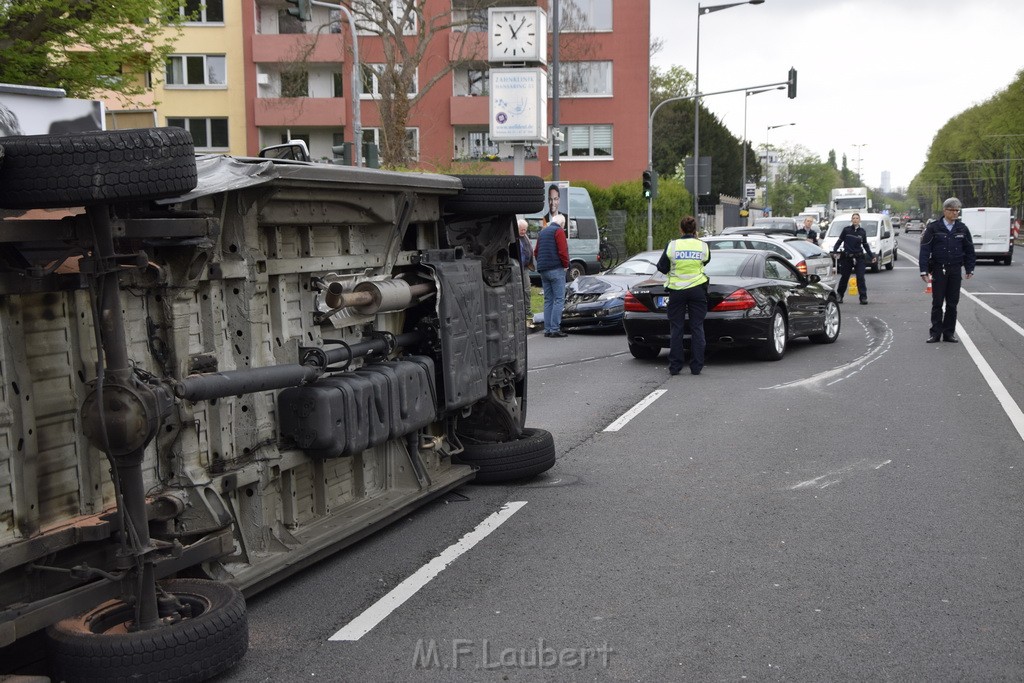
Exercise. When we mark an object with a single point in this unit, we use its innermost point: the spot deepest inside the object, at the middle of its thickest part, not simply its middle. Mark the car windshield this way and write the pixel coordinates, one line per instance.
(805, 248)
(847, 203)
(870, 227)
(726, 263)
(635, 266)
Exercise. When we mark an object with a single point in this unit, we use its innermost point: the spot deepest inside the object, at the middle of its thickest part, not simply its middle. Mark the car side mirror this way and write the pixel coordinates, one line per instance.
(886, 235)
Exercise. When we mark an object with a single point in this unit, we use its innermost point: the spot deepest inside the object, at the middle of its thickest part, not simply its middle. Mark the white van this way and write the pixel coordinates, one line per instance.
(881, 237)
(990, 232)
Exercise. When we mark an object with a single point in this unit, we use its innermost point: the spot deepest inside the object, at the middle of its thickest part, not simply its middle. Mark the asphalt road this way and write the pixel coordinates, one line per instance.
(853, 511)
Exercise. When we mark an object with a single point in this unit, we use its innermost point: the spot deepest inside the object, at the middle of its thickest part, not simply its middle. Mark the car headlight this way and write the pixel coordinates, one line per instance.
(607, 296)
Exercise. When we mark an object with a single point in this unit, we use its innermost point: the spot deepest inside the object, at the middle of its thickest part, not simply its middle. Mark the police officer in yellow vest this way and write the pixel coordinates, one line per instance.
(687, 285)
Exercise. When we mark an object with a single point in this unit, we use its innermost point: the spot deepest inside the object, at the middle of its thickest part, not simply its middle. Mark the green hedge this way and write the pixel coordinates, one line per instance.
(672, 203)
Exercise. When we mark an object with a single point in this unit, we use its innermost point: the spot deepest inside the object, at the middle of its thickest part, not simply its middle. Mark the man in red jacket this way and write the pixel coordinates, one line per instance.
(552, 253)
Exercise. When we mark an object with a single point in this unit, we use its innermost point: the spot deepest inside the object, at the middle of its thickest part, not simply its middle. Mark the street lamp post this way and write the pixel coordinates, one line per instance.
(767, 159)
(743, 180)
(859, 146)
(701, 11)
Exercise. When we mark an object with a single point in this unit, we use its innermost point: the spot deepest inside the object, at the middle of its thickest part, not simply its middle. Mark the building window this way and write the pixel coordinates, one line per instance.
(584, 15)
(372, 75)
(586, 142)
(289, 25)
(370, 20)
(467, 15)
(412, 140)
(207, 134)
(338, 82)
(294, 83)
(585, 79)
(196, 70)
(202, 11)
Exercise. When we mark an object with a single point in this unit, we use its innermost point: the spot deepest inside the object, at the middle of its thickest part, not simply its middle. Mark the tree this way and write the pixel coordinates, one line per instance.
(86, 47)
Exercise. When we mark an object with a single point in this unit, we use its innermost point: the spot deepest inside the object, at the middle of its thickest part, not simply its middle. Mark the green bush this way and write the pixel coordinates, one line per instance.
(672, 203)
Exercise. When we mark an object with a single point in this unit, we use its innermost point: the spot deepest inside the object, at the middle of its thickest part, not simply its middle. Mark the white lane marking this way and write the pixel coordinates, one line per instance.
(634, 411)
(833, 477)
(998, 293)
(848, 369)
(1010, 406)
(1013, 326)
(378, 611)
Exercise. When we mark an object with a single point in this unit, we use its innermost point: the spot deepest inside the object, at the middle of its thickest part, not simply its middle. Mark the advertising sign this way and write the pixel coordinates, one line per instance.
(519, 105)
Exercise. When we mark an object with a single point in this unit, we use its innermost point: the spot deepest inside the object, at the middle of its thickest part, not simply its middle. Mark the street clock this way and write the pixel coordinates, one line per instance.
(517, 34)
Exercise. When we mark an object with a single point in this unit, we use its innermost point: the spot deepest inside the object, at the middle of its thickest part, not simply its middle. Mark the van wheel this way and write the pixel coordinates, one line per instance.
(575, 269)
(891, 263)
(497, 194)
(529, 455)
(83, 169)
(211, 637)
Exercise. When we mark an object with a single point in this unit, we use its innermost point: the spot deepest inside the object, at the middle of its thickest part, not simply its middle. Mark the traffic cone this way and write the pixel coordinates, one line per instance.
(851, 289)
(928, 287)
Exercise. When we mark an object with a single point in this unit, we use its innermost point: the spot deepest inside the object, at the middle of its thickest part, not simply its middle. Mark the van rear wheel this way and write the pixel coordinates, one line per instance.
(576, 268)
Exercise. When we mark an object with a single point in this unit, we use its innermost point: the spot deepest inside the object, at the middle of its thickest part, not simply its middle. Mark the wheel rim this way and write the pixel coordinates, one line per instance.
(779, 333)
(831, 319)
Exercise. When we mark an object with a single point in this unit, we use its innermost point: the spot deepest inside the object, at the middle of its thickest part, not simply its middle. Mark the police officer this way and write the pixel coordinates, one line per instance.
(683, 261)
(946, 247)
(855, 251)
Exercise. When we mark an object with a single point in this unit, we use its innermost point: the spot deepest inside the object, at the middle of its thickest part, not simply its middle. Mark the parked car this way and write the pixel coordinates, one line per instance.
(595, 301)
(913, 225)
(806, 256)
(755, 298)
(766, 229)
(881, 237)
(785, 223)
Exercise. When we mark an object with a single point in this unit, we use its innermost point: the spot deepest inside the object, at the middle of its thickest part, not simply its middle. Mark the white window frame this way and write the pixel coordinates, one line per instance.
(183, 60)
(585, 67)
(567, 7)
(569, 131)
(374, 90)
(412, 139)
(206, 121)
(202, 21)
(363, 8)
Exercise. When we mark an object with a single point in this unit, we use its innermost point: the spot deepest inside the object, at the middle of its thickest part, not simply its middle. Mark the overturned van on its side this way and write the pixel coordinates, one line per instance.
(218, 370)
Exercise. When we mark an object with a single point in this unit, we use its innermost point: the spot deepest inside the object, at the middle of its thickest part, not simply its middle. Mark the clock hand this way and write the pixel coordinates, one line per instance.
(515, 31)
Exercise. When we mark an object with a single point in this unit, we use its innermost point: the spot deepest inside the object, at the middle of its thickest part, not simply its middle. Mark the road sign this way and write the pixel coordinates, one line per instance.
(750, 191)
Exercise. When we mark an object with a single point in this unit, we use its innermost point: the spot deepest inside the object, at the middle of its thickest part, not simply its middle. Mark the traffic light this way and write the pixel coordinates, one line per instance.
(303, 9)
(342, 153)
(792, 83)
(648, 185)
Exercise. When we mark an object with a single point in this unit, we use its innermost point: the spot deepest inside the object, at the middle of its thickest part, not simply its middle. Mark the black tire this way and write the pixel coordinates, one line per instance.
(575, 269)
(95, 647)
(774, 347)
(497, 194)
(83, 169)
(890, 264)
(529, 455)
(643, 351)
(833, 323)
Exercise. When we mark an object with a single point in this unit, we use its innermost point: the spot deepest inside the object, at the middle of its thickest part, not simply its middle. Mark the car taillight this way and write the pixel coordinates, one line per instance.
(740, 300)
(633, 304)
(802, 267)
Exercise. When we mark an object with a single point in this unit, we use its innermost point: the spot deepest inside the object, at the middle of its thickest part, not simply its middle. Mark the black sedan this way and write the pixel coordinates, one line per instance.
(595, 301)
(755, 298)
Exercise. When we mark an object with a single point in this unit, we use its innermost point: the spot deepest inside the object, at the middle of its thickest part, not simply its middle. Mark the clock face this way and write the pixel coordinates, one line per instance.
(514, 35)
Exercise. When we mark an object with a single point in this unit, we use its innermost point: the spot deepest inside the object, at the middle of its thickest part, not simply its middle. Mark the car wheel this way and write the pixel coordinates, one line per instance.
(529, 455)
(832, 323)
(1009, 258)
(98, 167)
(643, 351)
(496, 194)
(892, 262)
(574, 271)
(778, 336)
(98, 645)
(876, 267)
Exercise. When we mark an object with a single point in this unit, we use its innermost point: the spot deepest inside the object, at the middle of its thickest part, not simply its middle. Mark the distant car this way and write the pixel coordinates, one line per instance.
(787, 224)
(755, 298)
(914, 225)
(595, 301)
(807, 257)
(760, 229)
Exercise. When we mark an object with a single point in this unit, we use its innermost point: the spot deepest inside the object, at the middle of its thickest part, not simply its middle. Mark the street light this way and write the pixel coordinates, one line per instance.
(743, 180)
(767, 159)
(701, 11)
(859, 145)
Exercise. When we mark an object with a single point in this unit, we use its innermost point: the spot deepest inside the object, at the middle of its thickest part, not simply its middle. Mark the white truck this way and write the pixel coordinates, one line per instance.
(215, 371)
(990, 228)
(849, 199)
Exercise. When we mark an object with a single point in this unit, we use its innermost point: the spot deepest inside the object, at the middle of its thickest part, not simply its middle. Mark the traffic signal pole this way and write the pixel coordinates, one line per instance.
(790, 82)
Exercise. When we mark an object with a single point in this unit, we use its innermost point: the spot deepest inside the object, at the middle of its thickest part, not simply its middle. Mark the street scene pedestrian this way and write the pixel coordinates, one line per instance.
(528, 262)
(683, 261)
(946, 249)
(856, 251)
(811, 232)
(552, 253)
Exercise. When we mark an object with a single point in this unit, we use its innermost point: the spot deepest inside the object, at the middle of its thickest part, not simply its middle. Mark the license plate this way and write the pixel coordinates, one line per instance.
(660, 301)
(823, 270)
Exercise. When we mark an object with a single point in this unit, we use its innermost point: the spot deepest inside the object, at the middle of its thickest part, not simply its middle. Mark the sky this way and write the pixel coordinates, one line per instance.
(882, 74)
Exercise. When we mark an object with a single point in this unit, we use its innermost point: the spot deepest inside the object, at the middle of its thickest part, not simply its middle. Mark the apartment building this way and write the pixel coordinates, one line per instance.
(248, 75)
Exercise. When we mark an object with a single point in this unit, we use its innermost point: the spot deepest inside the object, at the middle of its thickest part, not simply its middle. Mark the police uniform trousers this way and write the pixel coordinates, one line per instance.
(848, 264)
(945, 289)
(689, 303)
